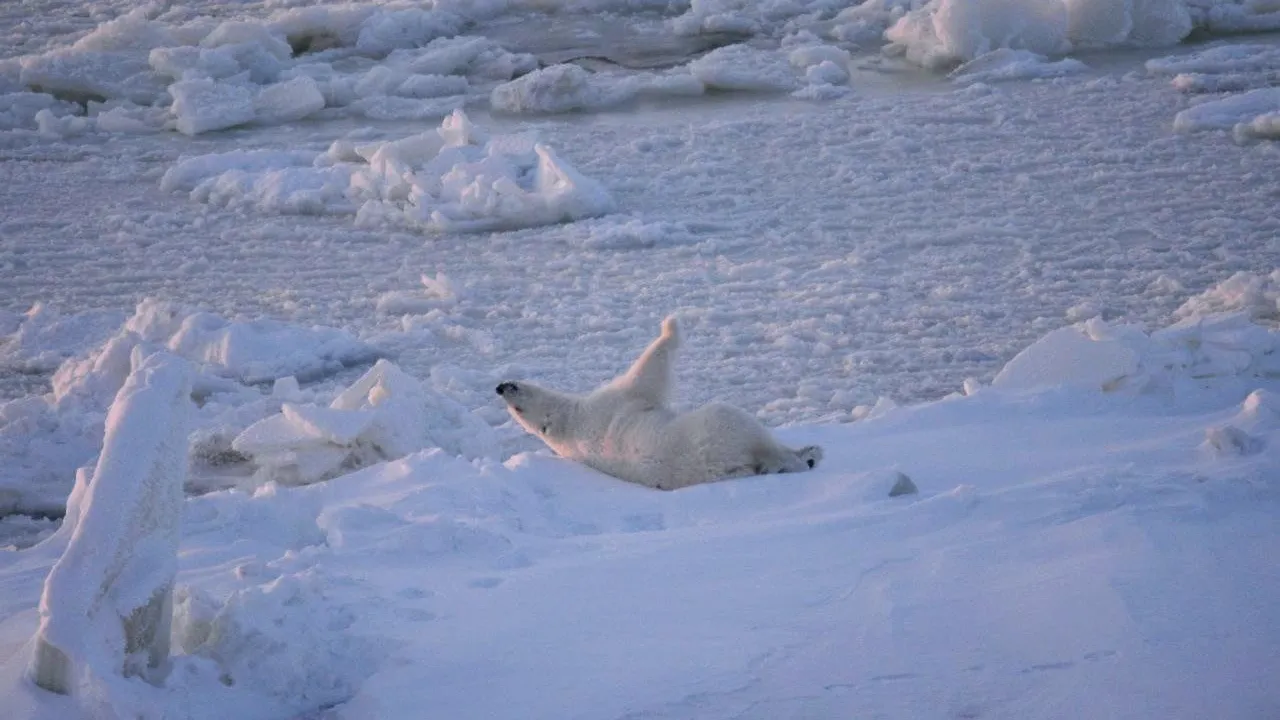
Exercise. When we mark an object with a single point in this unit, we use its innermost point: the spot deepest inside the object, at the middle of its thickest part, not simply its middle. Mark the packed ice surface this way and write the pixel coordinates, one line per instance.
(451, 178)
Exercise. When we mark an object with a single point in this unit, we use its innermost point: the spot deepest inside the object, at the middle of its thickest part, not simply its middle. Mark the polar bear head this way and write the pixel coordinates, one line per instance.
(545, 413)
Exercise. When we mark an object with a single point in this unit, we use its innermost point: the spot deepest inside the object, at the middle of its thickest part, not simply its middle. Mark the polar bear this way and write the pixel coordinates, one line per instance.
(627, 429)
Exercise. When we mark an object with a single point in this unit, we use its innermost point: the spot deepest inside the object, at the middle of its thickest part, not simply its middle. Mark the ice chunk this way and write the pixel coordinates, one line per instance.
(107, 603)
(554, 89)
(384, 415)
(1006, 64)
(742, 67)
(190, 63)
(948, 32)
(19, 109)
(287, 101)
(81, 76)
(190, 172)
(1226, 113)
(413, 27)
(204, 105)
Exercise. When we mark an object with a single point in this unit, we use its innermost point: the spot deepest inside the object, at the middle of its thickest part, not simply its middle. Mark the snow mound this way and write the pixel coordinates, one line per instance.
(105, 611)
(944, 33)
(451, 179)
(384, 415)
(1007, 64)
(20, 109)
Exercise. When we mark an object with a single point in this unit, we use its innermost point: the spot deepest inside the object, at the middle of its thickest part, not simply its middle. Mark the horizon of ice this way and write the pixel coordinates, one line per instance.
(141, 72)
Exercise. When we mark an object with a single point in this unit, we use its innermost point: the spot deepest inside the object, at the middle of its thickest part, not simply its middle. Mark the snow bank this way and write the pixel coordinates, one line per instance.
(452, 178)
(107, 604)
(944, 33)
(384, 415)
(1217, 340)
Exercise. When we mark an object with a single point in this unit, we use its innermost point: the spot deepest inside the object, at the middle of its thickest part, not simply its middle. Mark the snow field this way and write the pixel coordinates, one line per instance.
(1010, 578)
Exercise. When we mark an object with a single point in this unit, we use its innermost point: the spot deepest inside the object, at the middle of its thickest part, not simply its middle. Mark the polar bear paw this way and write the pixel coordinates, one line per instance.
(671, 329)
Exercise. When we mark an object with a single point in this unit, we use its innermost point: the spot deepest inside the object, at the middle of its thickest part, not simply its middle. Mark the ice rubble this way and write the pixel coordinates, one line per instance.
(107, 605)
(451, 178)
(384, 415)
(1250, 115)
(45, 438)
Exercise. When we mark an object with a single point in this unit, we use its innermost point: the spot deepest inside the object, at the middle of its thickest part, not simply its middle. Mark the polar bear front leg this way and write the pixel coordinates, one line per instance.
(651, 376)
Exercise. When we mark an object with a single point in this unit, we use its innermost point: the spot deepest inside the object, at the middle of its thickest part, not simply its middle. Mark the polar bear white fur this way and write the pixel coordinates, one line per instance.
(627, 429)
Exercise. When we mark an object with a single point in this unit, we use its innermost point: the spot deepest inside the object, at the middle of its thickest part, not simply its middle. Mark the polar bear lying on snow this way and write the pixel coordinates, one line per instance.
(626, 428)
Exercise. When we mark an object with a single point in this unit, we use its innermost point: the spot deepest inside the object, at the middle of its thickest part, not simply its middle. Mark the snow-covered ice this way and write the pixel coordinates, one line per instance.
(1021, 287)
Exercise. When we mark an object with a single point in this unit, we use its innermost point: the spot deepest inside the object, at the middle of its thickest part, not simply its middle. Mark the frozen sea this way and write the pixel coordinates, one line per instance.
(1031, 264)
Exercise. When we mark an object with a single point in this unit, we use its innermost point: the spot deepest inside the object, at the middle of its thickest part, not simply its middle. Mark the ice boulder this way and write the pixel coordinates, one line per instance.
(107, 603)
(203, 105)
(81, 76)
(287, 101)
(384, 415)
(742, 67)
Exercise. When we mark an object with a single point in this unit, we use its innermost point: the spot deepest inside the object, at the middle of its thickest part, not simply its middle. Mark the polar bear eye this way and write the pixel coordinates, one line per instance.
(544, 428)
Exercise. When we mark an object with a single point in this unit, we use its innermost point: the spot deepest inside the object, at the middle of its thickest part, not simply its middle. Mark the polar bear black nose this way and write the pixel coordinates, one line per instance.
(506, 387)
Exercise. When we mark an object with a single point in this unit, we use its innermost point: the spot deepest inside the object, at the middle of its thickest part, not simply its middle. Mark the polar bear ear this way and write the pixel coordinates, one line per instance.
(651, 376)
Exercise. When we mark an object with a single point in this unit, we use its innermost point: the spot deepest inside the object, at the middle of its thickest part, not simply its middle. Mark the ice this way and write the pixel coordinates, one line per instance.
(106, 609)
(1233, 58)
(449, 179)
(80, 76)
(742, 67)
(1228, 112)
(44, 338)
(556, 89)
(254, 351)
(1006, 64)
(203, 105)
(944, 33)
(186, 174)
(413, 27)
(19, 109)
(384, 415)
(1256, 295)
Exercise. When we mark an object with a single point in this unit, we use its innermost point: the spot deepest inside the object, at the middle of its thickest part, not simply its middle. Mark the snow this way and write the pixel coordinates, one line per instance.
(1018, 287)
(1228, 112)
